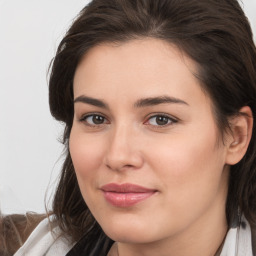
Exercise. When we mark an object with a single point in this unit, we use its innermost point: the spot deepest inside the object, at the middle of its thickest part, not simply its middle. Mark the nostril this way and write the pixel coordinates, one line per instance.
(130, 163)
(121, 167)
(128, 166)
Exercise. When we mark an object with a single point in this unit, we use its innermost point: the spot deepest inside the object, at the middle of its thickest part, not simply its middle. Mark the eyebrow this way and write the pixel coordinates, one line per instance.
(146, 102)
(91, 101)
(158, 100)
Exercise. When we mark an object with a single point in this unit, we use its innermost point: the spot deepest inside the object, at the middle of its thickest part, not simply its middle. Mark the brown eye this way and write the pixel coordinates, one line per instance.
(160, 120)
(94, 119)
(98, 119)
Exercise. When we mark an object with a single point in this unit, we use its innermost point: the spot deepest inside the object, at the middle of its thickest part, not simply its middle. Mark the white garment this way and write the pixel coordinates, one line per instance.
(43, 242)
(238, 241)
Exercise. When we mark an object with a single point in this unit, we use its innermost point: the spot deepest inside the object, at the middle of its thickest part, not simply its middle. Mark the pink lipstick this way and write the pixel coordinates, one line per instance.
(126, 195)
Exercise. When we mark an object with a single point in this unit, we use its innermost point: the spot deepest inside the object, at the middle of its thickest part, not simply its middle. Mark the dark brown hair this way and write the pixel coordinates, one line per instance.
(214, 33)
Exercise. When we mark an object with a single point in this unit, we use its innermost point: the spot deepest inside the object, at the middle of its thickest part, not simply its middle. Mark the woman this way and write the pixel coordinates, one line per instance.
(159, 102)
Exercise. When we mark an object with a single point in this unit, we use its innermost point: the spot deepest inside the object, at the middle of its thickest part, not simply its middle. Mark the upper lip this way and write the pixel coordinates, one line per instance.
(125, 188)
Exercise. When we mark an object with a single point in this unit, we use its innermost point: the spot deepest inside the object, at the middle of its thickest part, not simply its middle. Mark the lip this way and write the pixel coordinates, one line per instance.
(126, 195)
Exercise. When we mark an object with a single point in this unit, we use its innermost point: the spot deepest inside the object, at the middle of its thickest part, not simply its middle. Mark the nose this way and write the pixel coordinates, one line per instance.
(123, 150)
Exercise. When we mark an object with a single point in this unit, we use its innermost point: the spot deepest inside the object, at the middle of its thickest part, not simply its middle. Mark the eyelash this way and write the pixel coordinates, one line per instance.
(170, 120)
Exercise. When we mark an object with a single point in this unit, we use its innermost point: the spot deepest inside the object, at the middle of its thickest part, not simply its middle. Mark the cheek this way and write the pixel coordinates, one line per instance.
(194, 151)
(190, 167)
(86, 154)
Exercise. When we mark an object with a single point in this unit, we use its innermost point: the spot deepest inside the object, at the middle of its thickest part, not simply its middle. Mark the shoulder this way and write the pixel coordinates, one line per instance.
(45, 238)
(15, 229)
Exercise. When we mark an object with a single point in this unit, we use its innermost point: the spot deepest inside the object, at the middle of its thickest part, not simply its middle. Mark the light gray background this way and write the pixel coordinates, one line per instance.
(30, 153)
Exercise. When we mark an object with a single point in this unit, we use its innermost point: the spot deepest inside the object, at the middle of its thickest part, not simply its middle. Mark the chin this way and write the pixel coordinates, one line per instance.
(130, 231)
(129, 237)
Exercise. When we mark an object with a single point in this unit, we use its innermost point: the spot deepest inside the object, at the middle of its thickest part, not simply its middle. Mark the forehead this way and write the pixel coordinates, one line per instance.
(145, 52)
(147, 66)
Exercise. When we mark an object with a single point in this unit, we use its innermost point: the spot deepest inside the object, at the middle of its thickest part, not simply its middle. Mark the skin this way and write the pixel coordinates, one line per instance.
(184, 160)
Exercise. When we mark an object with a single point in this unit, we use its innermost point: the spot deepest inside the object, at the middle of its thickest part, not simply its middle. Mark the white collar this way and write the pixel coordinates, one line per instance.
(238, 241)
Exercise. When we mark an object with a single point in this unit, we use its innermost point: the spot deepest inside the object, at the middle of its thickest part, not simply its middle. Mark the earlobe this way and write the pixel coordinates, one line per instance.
(240, 136)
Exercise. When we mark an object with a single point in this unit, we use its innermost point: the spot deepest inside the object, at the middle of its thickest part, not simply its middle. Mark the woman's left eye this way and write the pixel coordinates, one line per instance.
(160, 120)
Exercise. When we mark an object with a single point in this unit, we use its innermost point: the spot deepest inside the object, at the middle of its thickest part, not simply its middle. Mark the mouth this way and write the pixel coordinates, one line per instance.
(126, 195)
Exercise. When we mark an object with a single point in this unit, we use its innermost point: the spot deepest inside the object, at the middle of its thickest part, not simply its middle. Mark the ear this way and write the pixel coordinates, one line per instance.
(240, 136)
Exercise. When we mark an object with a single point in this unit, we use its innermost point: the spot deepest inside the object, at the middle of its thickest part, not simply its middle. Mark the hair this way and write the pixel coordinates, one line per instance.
(215, 34)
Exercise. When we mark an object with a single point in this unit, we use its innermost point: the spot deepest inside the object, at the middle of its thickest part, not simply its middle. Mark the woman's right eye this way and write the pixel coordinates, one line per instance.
(94, 119)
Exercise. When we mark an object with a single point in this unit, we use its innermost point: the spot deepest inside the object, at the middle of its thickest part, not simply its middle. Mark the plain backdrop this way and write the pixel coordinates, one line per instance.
(30, 151)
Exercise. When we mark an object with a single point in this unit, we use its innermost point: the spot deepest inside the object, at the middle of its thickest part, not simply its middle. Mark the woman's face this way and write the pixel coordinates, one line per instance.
(148, 156)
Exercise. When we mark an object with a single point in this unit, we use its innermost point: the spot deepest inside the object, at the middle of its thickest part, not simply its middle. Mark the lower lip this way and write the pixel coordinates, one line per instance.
(126, 199)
